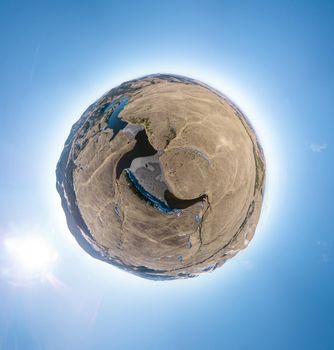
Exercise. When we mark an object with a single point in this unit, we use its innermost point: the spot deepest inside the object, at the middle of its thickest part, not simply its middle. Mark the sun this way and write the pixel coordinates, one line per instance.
(29, 258)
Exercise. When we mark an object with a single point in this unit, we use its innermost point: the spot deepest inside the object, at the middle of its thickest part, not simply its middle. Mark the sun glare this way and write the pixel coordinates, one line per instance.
(30, 257)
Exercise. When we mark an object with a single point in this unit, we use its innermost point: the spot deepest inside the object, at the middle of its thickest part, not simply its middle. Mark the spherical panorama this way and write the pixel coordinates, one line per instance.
(162, 176)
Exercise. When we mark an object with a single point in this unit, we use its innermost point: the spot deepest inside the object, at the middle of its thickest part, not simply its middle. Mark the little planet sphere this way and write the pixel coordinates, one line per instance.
(163, 177)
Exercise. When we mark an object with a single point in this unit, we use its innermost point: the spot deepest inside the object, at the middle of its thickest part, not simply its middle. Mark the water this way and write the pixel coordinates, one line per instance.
(152, 200)
(114, 122)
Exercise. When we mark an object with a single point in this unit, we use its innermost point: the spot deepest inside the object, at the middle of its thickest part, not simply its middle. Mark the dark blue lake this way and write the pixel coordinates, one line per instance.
(114, 122)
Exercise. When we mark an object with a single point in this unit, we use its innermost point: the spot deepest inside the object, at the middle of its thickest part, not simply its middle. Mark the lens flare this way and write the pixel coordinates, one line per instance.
(29, 258)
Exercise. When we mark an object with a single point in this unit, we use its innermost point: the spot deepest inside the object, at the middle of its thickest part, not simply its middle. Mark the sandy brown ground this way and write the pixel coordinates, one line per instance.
(206, 148)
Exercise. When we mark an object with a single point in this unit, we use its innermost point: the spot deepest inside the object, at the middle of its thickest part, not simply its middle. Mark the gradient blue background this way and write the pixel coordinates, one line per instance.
(274, 59)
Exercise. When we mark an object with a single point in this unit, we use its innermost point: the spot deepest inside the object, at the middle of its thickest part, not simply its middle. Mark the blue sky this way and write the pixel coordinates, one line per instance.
(275, 60)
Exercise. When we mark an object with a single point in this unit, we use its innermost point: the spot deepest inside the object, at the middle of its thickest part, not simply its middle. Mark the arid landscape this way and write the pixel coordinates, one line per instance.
(163, 176)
